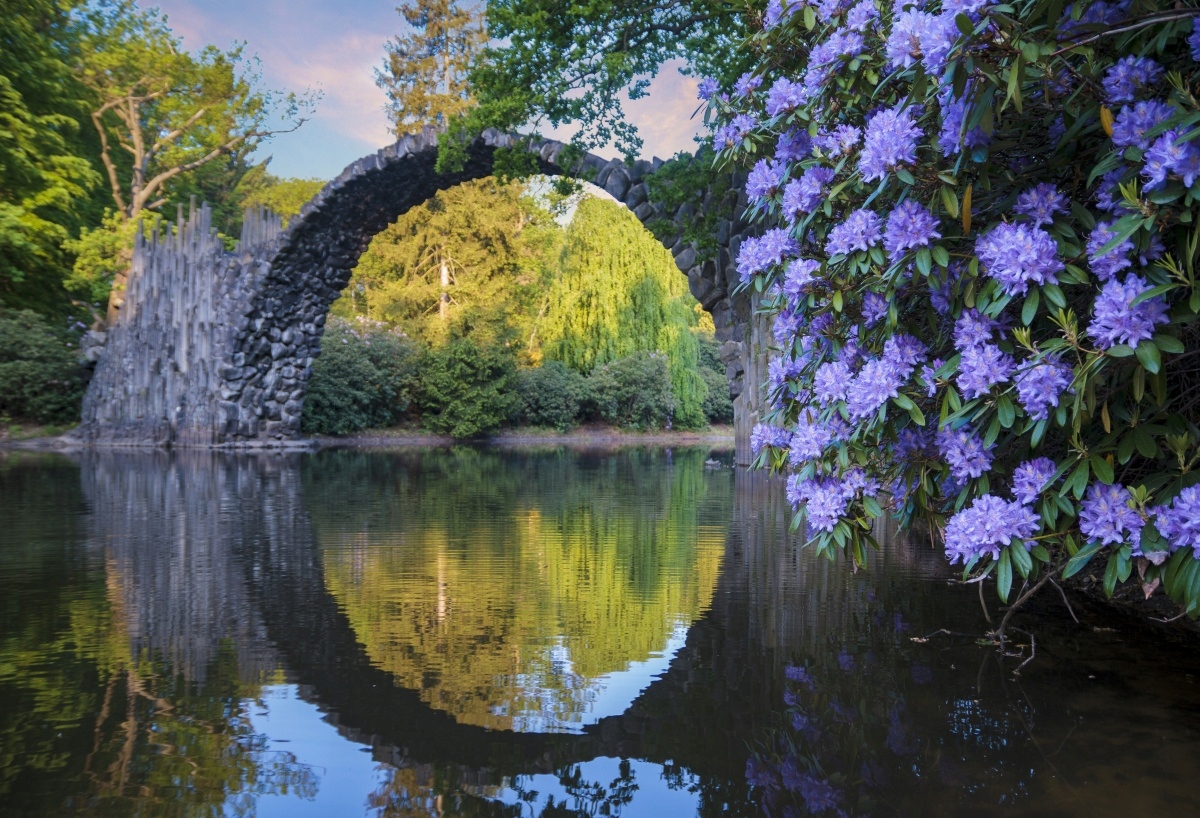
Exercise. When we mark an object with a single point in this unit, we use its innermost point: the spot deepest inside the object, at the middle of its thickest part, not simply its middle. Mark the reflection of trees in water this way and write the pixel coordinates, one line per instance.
(503, 586)
(103, 707)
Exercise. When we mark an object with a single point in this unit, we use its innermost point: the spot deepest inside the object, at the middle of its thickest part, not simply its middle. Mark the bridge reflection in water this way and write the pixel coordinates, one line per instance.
(611, 629)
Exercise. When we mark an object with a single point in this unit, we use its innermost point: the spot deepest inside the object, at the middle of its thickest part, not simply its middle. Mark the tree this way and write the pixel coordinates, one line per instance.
(161, 113)
(570, 63)
(284, 197)
(45, 175)
(425, 73)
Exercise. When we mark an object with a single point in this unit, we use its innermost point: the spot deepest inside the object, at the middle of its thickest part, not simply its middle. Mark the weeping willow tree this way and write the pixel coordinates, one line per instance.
(618, 292)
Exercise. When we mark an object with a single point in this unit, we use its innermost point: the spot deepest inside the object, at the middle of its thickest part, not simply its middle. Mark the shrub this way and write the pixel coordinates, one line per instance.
(718, 404)
(551, 395)
(469, 390)
(366, 377)
(633, 391)
(41, 379)
(979, 243)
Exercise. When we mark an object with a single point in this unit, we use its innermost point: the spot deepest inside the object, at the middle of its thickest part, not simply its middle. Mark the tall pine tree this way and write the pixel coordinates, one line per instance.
(425, 73)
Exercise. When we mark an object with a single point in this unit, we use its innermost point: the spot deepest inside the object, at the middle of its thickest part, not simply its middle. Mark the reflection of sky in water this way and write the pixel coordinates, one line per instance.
(656, 797)
(607, 695)
(345, 772)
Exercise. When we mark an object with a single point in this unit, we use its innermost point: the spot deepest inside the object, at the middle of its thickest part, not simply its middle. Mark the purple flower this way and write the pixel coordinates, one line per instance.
(1017, 254)
(1096, 14)
(861, 230)
(1169, 155)
(829, 9)
(785, 96)
(918, 35)
(964, 453)
(726, 137)
(909, 226)
(1180, 521)
(805, 194)
(765, 435)
(973, 328)
(1194, 41)
(818, 794)
(800, 275)
(862, 16)
(786, 327)
(969, 7)
(841, 140)
(793, 145)
(1040, 387)
(1117, 320)
(982, 367)
(1115, 260)
(891, 139)
(830, 381)
(1106, 516)
(1030, 479)
(875, 384)
(1040, 203)
(953, 136)
(765, 179)
(744, 125)
(1108, 194)
(874, 308)
(779, 10)
(1130, 75)
(707, 88)
(808, 441)
(759, 253)
(913, 443)
(746, 84)
(989, 524)
(903, 352)
(929, 376)
(1134, 121)
(823, 499)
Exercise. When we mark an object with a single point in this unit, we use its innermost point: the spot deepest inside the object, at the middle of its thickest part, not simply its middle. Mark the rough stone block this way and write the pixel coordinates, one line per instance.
(618, 183)
(635, 197)
(278, 350)
(643, 212)
(686, 259)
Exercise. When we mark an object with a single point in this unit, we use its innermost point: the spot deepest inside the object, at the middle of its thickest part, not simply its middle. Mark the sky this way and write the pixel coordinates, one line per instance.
(334, 46)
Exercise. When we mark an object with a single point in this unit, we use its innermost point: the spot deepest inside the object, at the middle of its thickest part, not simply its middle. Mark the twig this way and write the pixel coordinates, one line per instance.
(1181, 615)
(983, 605)
(1032, 653)
(1134, 26)
(1063, 594)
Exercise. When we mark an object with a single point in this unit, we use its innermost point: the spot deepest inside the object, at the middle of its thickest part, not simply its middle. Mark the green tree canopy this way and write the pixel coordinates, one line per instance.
(425, 72)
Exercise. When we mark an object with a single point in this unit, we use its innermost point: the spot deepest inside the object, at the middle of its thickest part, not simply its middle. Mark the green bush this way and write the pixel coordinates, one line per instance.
(41, 379)
(634, 391)
(551, 395)
(469, 390)
(718, 404)
(366, 377)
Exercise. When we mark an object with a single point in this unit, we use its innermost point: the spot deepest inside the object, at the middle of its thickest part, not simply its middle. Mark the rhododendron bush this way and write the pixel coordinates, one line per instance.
(978, 246)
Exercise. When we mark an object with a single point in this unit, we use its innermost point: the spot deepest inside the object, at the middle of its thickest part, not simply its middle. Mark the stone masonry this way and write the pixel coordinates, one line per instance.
(214, 349)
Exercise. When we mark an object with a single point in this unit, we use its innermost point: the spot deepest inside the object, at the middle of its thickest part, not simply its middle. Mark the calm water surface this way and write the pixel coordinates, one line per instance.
(472, 632)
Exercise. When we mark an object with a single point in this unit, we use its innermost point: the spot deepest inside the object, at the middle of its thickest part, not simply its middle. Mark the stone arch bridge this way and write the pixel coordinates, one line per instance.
(214, 349)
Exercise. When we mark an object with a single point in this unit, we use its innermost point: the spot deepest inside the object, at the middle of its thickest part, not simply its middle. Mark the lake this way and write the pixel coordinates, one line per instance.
(554, 632)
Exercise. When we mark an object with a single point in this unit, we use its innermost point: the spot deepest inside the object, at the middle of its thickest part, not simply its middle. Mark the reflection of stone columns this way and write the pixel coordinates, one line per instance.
(169, 526)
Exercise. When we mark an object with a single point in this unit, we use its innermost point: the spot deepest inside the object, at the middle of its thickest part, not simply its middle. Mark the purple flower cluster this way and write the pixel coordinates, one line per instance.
(1030, 479)
(841, 140)
(830, 382)
(746, 84)
(759, 253)
(766, 435)
(779, 10)
(826, 498)
(1040, 387)
(862, 16)
(1194, 41)
(1105, 515)
(1017, 254)
(968, 7)
(880, 379)
(1108, 192)
(874, 308)
(973, 328)
(909, 226)
(786, 327)
(1098, 14)
(765, 179)
(793, 145)
(861, 230)
(1040, 203)
(1129, 76)
(808, 441)
(913, 443)
(707, 89)
(1134, 121)
(981, 367)
(735, 133)
(1117, 320)
(799, 277)
(1180, 521)
(918, 35)
(953, 136)
(964, 453)
(1115, 260)
(891, 139)
(785, 96)
(986, 526)
(804, 195)
(1168, 156)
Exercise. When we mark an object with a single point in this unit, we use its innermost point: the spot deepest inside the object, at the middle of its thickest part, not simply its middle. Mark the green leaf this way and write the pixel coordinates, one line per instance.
(1169, 344)
(924, 261)
(1125, 227)
(941, 256)
(950, 202)
(1147, 353)
(1077, 562)
(965, 24)
(905, 176)
(1119, 351)
(1078, 480)
(1152, 292)
(1021, 559)
(1054, 295)
(837, 299)
(1029, 310)
(1110, 575)
(1004, 575)
(1006, 411)
(1103, 471)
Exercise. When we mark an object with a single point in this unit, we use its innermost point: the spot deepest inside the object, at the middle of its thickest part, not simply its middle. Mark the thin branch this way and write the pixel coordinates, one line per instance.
(178, 132)
(1063, 594)
(1134, 26)
(105, 156)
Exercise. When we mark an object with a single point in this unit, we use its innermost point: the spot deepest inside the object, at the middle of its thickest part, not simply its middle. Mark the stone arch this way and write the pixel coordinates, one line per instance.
(215, 348)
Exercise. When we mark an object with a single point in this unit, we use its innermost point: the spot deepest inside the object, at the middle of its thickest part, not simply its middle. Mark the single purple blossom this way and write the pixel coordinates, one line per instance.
(804, 195)
(763, 435)
(746, 84)
(1115, 260)
(793, 145)
(839, 141)
(765, 179)
(707, 88)
(973, 328)
(874, 308)
(1135, 121)
(830, 382)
